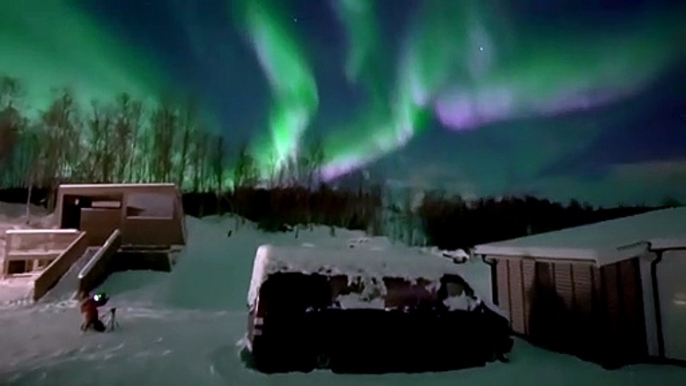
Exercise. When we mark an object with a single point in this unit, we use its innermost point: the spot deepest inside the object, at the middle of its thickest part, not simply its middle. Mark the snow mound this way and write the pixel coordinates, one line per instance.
(165, 344)
(214, 269)
(13, 216)
(369, 243)
(457, 256)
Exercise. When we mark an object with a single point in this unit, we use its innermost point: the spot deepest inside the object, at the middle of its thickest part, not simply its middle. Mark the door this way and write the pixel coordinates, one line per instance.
(672, 290)
(71, 211)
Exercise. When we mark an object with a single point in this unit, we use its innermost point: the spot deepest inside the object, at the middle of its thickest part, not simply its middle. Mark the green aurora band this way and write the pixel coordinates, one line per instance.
(293, 85)
(463, 63)
(424, 67)
(547, 75)
(469, 67)
(393, 115)
(55, 44)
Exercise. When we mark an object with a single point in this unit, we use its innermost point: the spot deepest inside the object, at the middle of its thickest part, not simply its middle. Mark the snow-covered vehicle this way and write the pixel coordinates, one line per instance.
(367, 311)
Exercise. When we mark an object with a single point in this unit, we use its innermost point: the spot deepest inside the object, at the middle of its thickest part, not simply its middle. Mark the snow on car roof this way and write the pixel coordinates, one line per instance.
(410, 264)
(392, 262)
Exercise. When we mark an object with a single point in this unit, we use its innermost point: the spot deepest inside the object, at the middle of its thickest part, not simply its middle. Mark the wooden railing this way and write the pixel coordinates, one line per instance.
(42, 246)
(54, 272)
(96, 270)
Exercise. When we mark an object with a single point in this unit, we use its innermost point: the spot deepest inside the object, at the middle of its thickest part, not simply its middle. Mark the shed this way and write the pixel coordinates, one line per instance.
(147, 215)
(613, 292)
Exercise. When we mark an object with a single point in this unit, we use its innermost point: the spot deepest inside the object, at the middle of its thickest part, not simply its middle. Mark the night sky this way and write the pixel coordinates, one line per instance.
(568, 99)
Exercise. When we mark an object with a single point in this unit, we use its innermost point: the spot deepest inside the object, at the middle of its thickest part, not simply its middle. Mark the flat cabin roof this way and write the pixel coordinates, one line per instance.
(601, 243)
(116, 186)
(388, 262)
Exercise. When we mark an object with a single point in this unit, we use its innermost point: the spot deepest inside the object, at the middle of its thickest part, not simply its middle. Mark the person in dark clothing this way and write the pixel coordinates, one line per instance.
(89, 310)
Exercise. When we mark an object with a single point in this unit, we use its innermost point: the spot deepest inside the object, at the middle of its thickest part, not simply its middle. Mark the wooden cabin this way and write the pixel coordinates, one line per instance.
(147, 215)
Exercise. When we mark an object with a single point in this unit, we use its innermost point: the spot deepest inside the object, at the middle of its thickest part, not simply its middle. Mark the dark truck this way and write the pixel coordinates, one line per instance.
(354, 312)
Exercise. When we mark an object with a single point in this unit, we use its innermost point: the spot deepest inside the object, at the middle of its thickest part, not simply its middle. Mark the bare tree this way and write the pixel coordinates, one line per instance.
(10, 118)
(245, 173)
(315, 161)
(188, 127)
(11, 91)
(244, 178)
(292, 169)
(218, 163)
(282, 175)
(106, 151)
(200, 147)
(127, 116)
(271, 173)
(142, 166)
(31, 151)
(137, 164)
(9, 127)
(312, 164)
(164, 123)
(102, 154)
(61, 133)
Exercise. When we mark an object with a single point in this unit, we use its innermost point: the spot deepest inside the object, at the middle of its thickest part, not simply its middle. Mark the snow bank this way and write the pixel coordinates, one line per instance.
(159, 343)
(15, 291)
(457, 256)
(14, 215)
(214, 270)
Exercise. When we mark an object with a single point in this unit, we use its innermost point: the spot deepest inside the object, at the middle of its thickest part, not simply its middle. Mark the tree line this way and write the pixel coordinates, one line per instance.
(125, 141)
(119, 141)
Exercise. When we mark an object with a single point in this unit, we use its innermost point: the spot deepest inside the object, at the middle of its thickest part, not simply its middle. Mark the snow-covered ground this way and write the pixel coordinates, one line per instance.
(182, 328)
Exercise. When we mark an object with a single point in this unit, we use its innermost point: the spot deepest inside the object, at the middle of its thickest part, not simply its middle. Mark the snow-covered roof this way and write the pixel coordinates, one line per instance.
(602, 243)
(392, 261)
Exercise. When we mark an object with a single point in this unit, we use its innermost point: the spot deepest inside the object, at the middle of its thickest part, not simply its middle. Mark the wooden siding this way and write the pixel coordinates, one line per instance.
(517, 316)
(583, 291)
(503, 280)
(99, 223)
(611, 290)
(529, 278)
(563, 283)
(598, 313)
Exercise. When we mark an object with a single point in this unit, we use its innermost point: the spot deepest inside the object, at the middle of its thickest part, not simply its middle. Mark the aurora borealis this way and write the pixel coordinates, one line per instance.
(563, 99)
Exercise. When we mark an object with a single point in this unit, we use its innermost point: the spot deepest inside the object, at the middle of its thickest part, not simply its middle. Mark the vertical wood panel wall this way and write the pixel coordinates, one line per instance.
(529, 280)
(605, 305)
(517, 295)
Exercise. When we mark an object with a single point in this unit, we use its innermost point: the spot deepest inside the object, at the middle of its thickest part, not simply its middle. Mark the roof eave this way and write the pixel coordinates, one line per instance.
(580, 254)
(665, 244)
